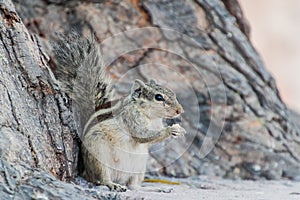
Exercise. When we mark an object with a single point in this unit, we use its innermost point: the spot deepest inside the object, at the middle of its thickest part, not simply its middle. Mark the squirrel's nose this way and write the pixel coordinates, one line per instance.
(179, 110)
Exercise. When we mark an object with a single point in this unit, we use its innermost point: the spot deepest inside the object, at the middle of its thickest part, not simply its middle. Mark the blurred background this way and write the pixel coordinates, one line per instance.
(275, 32)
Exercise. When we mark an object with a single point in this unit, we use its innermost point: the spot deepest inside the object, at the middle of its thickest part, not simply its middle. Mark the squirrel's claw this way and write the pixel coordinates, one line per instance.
(116, 187)
(176, 130)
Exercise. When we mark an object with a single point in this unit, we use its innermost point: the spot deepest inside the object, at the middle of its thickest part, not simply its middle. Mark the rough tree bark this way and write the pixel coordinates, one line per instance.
(229, 91)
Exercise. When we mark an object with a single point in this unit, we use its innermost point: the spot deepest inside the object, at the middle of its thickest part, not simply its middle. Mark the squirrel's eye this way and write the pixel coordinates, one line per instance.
(159, 97)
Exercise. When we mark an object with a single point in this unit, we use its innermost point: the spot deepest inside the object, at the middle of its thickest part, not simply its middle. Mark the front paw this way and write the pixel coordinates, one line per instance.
(176, 130)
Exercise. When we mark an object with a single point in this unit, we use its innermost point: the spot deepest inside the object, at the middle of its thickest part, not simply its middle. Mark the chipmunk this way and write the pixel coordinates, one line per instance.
(116, 134)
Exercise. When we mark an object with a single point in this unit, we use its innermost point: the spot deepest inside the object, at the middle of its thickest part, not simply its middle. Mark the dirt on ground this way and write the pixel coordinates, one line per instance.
(213, 189)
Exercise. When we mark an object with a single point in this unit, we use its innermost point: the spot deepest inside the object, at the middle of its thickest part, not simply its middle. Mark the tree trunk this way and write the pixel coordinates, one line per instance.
(237, 124)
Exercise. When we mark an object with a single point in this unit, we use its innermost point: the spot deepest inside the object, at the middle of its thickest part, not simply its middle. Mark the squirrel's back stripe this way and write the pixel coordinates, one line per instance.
(105, 112)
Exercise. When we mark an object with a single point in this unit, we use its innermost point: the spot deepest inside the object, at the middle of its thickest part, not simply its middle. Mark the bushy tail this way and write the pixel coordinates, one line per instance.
(80, 70)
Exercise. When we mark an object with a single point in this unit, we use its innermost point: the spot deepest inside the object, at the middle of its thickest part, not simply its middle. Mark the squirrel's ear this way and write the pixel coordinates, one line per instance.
(152, 82)
(137, 83)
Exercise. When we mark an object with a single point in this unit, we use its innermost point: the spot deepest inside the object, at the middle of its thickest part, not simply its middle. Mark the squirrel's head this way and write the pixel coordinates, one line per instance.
(156, 101)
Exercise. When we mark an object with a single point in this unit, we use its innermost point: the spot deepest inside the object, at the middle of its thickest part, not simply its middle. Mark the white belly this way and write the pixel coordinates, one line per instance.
(127, 161)
(118, 154)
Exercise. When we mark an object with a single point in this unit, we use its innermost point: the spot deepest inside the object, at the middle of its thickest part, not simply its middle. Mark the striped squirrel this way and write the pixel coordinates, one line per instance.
(116, 134)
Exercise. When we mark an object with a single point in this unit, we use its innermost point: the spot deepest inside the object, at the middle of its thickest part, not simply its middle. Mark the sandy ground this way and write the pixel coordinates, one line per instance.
(204, 188)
